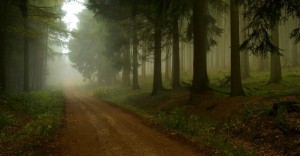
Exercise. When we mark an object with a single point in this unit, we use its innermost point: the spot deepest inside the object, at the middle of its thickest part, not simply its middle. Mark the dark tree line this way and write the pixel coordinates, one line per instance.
(153, 25)
(26, 30)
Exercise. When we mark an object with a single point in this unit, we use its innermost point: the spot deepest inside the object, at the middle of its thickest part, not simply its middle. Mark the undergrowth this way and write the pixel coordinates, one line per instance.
(28, 119)
(251, 123)
(199, 129)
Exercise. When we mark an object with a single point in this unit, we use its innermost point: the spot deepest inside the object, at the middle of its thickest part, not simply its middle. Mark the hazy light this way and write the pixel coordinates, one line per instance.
(72, 8)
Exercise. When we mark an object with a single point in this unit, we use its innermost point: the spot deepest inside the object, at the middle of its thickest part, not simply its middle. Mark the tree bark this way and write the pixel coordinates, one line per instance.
(3, 47)
(167, 64)
(176, 59)
(245, 66)
(23, 7)
(126, 66)
(26, 59)
(157, 77)
(295, 46)
(2, 61)
(135, 64)
(236, 82)
(276, 76)
(200, 77)
(144, 64)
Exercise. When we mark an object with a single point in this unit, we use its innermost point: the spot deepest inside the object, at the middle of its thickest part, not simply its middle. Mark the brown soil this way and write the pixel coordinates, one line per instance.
(92, 127)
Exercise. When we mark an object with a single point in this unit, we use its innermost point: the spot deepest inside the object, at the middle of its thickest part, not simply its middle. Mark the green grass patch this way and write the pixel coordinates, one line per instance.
(170, 110)
(28, 119)
(200, 129)
(257, 83)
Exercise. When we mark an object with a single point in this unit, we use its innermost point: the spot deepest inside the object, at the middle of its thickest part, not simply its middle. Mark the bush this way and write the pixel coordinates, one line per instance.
(103, 93)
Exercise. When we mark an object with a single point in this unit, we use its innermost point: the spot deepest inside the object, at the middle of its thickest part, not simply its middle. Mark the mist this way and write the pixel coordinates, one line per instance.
(62, 74)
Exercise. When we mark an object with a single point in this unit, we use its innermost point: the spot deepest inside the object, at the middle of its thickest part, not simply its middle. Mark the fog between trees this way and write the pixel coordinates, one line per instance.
(124, 42)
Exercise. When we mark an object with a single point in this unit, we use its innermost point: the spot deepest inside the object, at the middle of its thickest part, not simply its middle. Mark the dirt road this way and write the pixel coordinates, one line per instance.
(93, 127)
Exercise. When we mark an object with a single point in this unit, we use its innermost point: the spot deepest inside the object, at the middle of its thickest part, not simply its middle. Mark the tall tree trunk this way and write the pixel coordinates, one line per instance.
(2, 60)
(245, 66)
(23, 7)
(236, 82)
(144, 64)
(167, 63)
(295, 55)
(126, 66)
(275, 60)
(135, 42)
(176, 59)
(3, 9)
(45, 58)
(157, 77)
(200, 77)
(26, 59)
(295, 46)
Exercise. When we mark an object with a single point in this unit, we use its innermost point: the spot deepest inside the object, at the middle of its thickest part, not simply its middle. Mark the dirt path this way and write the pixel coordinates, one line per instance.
(96, 128)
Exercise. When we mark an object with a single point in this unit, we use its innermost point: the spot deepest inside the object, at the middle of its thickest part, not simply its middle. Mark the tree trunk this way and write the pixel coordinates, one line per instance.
(45, 58)
(245, 66)
(126, 66)
(26, 59)
(135, 64)
(275, 60)
(295, 46)
(157, 77)
(236, 82)
(2, 60)
(167, 63)
(144, 64)
(200, 77)
(176, 59)
(3, 46)
(295, 55)
(24, 10)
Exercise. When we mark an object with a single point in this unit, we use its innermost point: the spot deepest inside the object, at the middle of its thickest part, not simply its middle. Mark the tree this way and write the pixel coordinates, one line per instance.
(126, 65)
(97, 49)
(135, 42)
(24, 10)
(245, 66)
(275, 59)
(200, 77)
(125, 13)
(175, 56)
(2, 46)
(158, 21)
(236, 82)
(262, 17)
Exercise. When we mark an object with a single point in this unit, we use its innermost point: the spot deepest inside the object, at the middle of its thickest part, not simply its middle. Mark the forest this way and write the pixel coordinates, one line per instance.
(150, 77)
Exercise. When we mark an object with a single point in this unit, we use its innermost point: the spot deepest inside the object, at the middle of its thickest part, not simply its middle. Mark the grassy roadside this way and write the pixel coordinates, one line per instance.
(175, 117)
(230, 126)
(29, 120)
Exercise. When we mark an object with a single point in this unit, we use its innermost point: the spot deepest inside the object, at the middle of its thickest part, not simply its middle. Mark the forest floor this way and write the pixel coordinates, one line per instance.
(265, 122)
(92, 127)
(241, 123)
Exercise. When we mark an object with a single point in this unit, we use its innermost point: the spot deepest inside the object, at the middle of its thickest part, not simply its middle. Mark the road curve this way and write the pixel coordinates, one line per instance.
(93, 127)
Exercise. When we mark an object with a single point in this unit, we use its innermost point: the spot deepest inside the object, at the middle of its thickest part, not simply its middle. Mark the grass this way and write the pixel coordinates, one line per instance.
(27, 120)
(257, 83)
(170, 109)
